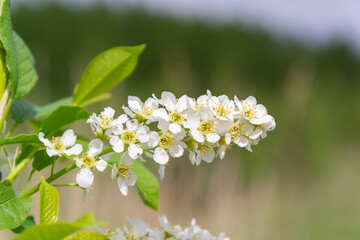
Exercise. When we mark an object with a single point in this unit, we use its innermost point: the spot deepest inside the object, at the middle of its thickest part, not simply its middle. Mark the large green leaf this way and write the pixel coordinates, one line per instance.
(58, 230)
(46, 109)
(22, 110)
(27, 76)
(87, 235)
(63, 116)
(48, 203)
(105, 71)
(13, 211)
(42, 160)
(147, 185)
(32, 139)
(7, 42)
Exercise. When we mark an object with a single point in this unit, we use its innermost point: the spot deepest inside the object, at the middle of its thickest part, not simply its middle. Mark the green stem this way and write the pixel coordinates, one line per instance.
(52, 168)
(49, 180)
(28, 181)
(9, 160)
(65, 185)
(10, 179)
(3, 117)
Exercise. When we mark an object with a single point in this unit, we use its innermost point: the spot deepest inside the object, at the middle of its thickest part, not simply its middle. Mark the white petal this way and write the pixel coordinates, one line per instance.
(161, 156)
(174, 128)
(106, 157)
(168, 99)
(134, 150)
(114, 171)
(128, 112)
(161, 171)
(182, 103)
(122, 119)
(135, 104)
(75, 150)
(44, 140)
(222, 151)
(79, 162)
(95, 147)
(132, 125)
(227, 138)
(101, 165)
(122, 186)
(153, 139)
(126, 159)
(108, 112)
(208, 157)
(197, 135)
(161, 113)
(242, 142)
(192, 157)
(131, 179)
(212, 137)
(117, 144)
(84, 178)
(68, 138)
(163, 125)
(52, 153)
(251, 100)
(176, 151)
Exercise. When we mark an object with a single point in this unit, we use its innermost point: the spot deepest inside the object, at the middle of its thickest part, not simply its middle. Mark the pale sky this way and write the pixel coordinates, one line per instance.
(312, 21)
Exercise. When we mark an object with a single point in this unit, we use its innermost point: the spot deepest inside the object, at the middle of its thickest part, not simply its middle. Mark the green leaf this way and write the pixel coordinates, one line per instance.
(87, 235)
(53, 231)
(13, 211)
(63, 116)
(29, 221)
(26, 150)
(58, 230)
(32, 139)
(7, 42)
(22, 110)
(27, 76)
(42, 160)
(48, 203)
(46, 109)
(147, 185)
(105, 71)
(115, 158)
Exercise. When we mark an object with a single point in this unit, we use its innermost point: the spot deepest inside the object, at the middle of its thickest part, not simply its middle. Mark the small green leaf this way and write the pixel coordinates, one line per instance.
(22, 110)
(105, 71)
(42, 160)
(32, 139)
(115, 158)
(87, 235)
(48, 203)
(53, 231)
(46, 109)
(13, 211)
(147, 185)
(7, 42)
(63, 116)
(27, 76)
(29, 221)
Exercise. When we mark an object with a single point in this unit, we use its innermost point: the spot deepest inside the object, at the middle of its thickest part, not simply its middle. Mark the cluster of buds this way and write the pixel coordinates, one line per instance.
(140, 230)
(207, 127)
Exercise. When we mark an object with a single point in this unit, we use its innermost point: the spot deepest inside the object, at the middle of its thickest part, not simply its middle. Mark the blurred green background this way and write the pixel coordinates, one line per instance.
(299, 183)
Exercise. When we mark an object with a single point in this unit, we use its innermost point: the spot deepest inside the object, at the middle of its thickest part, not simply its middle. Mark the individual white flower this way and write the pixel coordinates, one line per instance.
(167, 143)
(60, 145)
(222, 107)
(202, 151)
(174, 116)
(198, 104)
(131, 138)
(139, 110)
(90, 160)
(203, 126)
(105, 125)
(124, 175)
(251, 111)
(139, 227)
(172, 230)
(268, 125)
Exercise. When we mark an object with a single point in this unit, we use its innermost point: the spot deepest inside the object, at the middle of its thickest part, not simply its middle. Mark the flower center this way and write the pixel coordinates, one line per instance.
(235, 130)
(206, 127)
(128, 137)
(105, 121)
(147, 110)
(88, 161)
(58, 145)
(222, 110)
(206, 148)
(176, 117)
(165, 141)
(123, 171)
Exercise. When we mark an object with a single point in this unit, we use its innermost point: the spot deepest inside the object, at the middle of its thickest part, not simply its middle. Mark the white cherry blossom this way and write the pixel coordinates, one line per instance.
(222, 107)
(124, 175)
(139, 110)
(131, 138)
(60, 145)
(251, 111)
(90, 160)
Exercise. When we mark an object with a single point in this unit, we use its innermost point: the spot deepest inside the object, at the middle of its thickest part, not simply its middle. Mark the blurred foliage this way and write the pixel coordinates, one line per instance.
(310, 92)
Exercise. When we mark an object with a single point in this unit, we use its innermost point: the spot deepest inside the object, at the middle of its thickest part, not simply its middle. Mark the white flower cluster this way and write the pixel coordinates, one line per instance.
(140, 230)
(207, 126)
